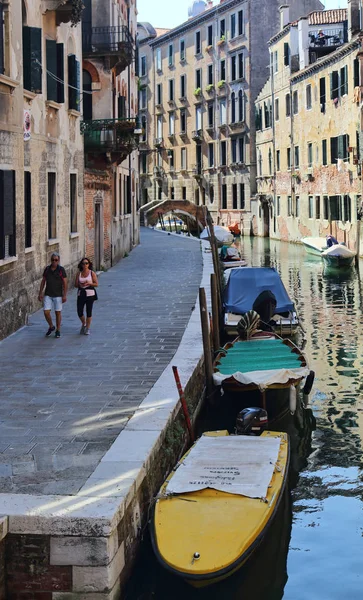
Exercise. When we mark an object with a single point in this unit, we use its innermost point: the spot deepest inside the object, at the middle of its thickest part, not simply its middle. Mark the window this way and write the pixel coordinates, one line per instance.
(241, 106)
(7, 214)
(184, 192)
(287, 105)
(347, 209)
(73, 201)
(159, 95)
(278, 164)
(289, 206)
(241, 196)
(258, 118)
(275, 61)
(322, 91)
(211, 155)
(297, 206)
(286, 54)
(183, 81)
(317, 207)
(74, 83)
(234, 196)
(288, 156)
(222, 29)
(183, 158)
(240, 22)
(160, 191)
(171, 159)
(171, 123)
(121, 107)
(159, 127)
(334, 85)
(198, 78)
(143, 98)
(326, 207)
(234, 150)
(172, 195)
(241, 149)
(268, 113)
(295, 102)
(158, 59)
(223, 153)
(27, 209)
(183, 120)
(224, 196)
(171, 55)
(277, 110)
(210, 113)
(356, 82)
(182, 50)
(233, 107)
(335, 208)
(198, 47)
(233, 26)
(55, 71)
(278, 205)
(308, 97)
(143, 66)
(210, 35)
(339, 148)
(210, 74)
(223, 70)
(198, 117)
(311, 207)
(324, 152)
(237, 66)
(310, 154)
(211, 194)
(222, 112)
(344, 81)
(52, 207)
(171, 90)
(143, 161)
(270, 161)
(32, 59)
(296, 157)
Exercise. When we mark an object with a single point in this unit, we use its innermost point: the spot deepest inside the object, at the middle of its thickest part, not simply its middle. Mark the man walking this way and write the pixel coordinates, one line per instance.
(56, 286)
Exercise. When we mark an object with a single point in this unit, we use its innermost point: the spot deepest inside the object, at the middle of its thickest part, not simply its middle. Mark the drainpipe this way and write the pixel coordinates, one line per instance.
(273, 140)
(129, 187)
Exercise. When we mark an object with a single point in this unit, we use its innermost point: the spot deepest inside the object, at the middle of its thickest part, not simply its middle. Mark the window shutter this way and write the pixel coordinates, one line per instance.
(286, 54)
(334, 85)
(60, 73)
(51, 55)
(74, 80)
(356, 72)
(1, 39)
(7, 211)
(333, 150)
(121, 107)
(32, 56)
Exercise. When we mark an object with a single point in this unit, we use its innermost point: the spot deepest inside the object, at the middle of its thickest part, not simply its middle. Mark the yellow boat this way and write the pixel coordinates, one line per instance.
(204, 534)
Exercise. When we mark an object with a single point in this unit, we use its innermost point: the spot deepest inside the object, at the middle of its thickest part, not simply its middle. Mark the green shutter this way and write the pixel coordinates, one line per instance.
(333, 150)
(286, 54)
(7, 211)
(60, 73)
(51, 55)
(32, 59)
(334, 85)
(341, 146)
(74, 80)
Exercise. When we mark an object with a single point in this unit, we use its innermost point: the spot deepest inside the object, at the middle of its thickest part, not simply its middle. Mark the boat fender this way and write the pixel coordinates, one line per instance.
(309, 383)
(292, 399)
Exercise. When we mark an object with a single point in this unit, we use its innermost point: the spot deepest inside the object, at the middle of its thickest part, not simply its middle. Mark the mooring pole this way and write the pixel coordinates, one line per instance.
(208, 366)
(215, 311)
(183, 403)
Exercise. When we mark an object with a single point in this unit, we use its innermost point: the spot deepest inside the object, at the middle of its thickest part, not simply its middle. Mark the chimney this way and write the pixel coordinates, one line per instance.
(209, 4)
(353, 17)
(303, 29)
(284, 16)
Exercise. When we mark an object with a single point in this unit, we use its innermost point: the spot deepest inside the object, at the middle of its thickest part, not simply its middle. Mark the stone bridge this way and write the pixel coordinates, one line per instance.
(177, 208)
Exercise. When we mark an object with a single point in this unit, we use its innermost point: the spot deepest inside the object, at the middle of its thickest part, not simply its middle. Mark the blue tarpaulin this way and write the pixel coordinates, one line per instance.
(244, 285)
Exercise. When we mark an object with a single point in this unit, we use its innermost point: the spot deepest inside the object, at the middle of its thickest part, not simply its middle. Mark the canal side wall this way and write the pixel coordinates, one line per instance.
(83, 547)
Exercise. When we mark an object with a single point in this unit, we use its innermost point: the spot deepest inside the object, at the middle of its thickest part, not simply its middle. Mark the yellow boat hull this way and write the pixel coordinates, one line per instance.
(206, 536)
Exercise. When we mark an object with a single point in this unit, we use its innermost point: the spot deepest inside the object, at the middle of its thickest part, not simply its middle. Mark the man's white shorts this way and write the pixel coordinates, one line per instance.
(50, 303)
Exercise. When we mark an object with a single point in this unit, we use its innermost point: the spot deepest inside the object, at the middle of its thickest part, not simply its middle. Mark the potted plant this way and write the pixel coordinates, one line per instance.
(197, 92)
(210, 88)
(208, 48)
(296, 176)
(221, 84)
(221, 40)
(77, 9)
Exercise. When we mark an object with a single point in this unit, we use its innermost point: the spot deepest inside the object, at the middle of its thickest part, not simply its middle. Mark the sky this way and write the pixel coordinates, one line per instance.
(169, 13)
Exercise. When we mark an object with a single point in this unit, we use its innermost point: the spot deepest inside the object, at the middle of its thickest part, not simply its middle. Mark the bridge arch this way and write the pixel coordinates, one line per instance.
(177, 207)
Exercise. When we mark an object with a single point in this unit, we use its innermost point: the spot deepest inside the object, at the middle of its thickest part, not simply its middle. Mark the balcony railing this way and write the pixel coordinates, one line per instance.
(197, 135)
(115, 136)
(327, 38)
(114, 42)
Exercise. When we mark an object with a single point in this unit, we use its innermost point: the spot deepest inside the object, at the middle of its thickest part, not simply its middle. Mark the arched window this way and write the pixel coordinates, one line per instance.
(240, 106)
(87, 98)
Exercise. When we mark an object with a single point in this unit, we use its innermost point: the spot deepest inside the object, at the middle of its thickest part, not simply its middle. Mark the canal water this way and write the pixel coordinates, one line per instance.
(314, 549)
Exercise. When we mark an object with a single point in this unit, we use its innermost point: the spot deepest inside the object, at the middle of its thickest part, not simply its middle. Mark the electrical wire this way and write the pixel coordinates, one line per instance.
(58, 80)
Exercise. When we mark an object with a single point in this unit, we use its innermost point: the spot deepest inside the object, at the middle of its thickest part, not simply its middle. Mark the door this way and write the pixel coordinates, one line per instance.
(266, 219)
(98, 235)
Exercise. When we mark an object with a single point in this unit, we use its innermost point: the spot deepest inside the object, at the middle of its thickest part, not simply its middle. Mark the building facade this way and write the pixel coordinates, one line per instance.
(109, 122)
(308, 130)
(41, 150)
(198, 83)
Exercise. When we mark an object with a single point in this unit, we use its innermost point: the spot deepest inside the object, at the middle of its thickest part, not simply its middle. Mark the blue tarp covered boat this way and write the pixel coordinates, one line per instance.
(245, 285)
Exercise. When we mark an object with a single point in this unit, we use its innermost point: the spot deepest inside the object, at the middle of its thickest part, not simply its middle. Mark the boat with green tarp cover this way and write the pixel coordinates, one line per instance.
(266, 366)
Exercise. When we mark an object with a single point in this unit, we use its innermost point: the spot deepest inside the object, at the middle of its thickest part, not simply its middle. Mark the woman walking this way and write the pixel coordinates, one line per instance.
(86, 282)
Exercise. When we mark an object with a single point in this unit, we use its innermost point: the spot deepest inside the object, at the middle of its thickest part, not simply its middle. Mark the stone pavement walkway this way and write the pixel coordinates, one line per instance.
(63, 402)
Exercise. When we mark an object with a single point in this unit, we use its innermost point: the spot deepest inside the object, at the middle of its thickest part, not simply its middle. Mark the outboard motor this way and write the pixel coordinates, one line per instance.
(265, 305)
(251, 421)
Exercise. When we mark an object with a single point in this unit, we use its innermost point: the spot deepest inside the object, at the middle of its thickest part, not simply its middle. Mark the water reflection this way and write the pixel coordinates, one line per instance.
(324, 561)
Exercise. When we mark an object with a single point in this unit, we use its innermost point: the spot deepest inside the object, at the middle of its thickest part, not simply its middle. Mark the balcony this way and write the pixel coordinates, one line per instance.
(159, 172)
(115, 43)
(325, 41)
(197, 135)
(197, 171)
(158, 142)
(66, 10)
(238, 126)
(113, 136)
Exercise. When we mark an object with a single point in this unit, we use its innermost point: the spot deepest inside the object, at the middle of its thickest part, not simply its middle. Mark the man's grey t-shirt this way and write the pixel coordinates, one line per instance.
(54, 279)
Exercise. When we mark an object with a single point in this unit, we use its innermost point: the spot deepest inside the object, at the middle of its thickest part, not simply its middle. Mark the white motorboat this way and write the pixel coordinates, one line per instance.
(314, 245)
(338, 256)
(223, 236)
